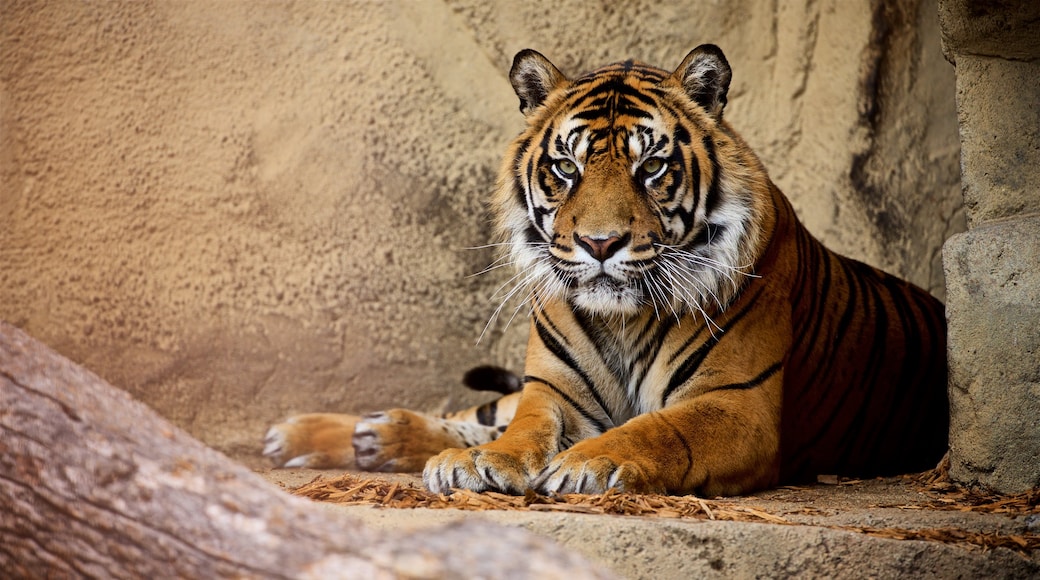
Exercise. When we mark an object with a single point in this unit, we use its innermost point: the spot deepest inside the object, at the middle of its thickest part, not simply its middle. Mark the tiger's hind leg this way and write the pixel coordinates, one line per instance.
(402, 440)
(314, 440)
(395, 440)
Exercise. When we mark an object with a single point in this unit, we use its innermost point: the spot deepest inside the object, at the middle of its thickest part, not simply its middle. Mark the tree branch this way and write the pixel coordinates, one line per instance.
(95, 484)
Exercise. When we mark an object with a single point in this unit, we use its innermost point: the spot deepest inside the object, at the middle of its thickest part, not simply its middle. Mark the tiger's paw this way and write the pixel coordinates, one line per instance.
(401, 440)
(315, 440)
(475, 469)
(574, 471)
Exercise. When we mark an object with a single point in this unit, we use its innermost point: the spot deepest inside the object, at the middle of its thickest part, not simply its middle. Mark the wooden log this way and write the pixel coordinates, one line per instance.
(95, 484)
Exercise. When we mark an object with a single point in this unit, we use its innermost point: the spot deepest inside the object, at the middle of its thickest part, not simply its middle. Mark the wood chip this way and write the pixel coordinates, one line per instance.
(766, 516)
(705, 509)
(563, 507)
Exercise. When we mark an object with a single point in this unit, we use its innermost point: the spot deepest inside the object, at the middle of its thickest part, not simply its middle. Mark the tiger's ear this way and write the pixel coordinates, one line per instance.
(705, 74)
(533, 77)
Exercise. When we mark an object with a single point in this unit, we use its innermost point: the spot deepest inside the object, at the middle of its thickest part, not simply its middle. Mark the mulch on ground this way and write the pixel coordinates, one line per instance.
(351, 489)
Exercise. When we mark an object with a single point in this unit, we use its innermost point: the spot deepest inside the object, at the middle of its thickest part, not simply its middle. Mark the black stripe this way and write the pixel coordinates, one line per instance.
(822, 367)
(552, 326)
(729, 324)
(591, 114)
(679, 435)
(818, 293)
(836, 410)
(650, 347)
(672, 186)
(758, 380)
(639, 71)
(812, 261)
(532, 235)
(863, 429)
(709, 232)
(541, 177)
(617, 87)
(627, 108)
(487, 412)
(519, 191)
(693, 362)
(601, 426)
(681, 135)
(564, 355)
(716, 173)
(645, 331)
(519, 188)
(688, 166)
(596, 335)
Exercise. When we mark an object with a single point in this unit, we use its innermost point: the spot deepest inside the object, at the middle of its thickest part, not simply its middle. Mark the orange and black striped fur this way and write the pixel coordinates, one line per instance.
(687, 333)
(396, 440)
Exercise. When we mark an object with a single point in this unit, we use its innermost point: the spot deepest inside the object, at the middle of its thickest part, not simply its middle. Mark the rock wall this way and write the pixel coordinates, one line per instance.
(240, 210)
(993, 270)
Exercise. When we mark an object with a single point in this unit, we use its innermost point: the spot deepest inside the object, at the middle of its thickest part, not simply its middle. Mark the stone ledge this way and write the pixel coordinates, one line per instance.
(817, 542)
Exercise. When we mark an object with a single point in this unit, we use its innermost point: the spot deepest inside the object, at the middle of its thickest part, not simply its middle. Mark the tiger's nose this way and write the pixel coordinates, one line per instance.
(601, 247)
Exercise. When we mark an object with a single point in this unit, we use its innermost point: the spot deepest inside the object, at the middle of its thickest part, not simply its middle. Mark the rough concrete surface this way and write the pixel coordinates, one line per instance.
(819, 541)
(240, 210)
(1000, 136)
(993, 293)
(996, 28)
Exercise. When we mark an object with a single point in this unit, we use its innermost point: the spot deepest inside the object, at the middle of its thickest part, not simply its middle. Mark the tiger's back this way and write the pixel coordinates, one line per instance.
(865, 383)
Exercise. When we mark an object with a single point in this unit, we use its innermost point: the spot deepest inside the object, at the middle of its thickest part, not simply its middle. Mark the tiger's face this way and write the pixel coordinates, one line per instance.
(614, 198)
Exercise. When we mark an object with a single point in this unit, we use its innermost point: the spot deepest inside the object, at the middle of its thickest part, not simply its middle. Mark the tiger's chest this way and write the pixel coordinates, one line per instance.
(635, 362)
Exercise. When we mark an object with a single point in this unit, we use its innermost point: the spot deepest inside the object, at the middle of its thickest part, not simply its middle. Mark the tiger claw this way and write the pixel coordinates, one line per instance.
(274, 440)
(299, 461)
(475, 470)
(571, 473)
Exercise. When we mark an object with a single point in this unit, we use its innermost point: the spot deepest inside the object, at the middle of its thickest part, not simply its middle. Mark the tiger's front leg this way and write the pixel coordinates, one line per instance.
(714, 444)
(510, 463)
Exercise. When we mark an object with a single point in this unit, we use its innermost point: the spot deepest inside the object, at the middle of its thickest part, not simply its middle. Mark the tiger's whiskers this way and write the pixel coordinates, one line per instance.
(528, 282)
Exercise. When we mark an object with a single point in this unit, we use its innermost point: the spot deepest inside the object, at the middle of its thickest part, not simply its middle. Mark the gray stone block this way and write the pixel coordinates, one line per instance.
(1000, 136)
(993, 305)
(1001, 28)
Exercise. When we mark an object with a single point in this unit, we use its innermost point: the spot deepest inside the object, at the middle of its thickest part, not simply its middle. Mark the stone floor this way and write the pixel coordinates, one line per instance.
(841, 530)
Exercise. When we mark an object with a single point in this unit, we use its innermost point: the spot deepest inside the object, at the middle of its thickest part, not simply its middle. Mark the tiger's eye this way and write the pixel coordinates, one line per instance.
(653, 165)
(566, 167)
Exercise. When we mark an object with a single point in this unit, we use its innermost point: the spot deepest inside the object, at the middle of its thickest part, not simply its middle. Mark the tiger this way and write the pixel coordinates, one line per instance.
(687, 334)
